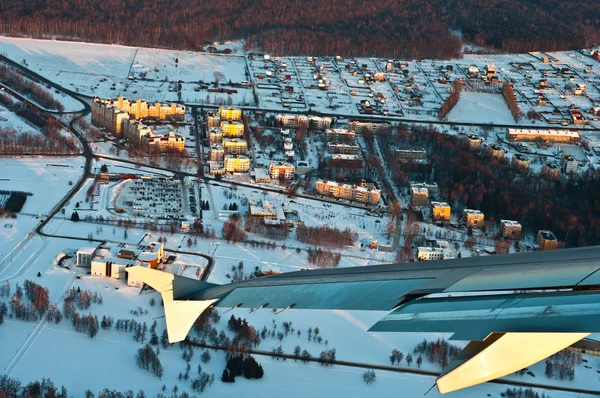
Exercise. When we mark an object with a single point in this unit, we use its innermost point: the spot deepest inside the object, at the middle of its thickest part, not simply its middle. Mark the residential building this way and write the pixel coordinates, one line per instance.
(474, 141)
(237, 163)
(261, 175)
(235, 146)
(342, 148)
(440, 211)
(216, 168)
(232, 129)
(281, 170)
(411, 155)
(292, 121)
(569, 164)
(319, 123)
(216, 152)
(140, 109)
(134, 130)
(85, 256)
(230, 114)
(432, 187)
(340, 135)
(473, 218)
(215, 135)
(521, 163)
(419, 196)
(510, 229)
(434, 253)
(348, 192)
(551, 171)
(546, 240)
(213, 120)
(496, 151)
(170, 142)
(567, 136)
(361, 127)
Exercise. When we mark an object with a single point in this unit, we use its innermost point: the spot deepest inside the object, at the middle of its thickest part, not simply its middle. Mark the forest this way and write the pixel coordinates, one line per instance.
(410, 28)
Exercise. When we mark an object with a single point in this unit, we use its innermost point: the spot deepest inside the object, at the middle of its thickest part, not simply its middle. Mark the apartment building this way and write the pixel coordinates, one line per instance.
(411, 155)
(234, 146)
(569, 164)
(215, 135)
(342, 148)
(567, 136)
(434, 253)
(213, 120)
(217, 153)
(349, 192)
(232, 129)
(140, 109)
(230, 114)
(281, 170)
(134, 130)
(291, 121)
(510, 229)
(474, 141)
(419, 196)
(551, 171)
(319, 123)
(496, 151)
(237, 163)
(546, 240)
(340, 135)
(520, 162)
(473, 218)
(170, 142)
(361, 127)
(440, 211)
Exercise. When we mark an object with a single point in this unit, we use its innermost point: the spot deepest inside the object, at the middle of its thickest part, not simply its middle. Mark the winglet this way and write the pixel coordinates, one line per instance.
(504, 353)
(180, 314)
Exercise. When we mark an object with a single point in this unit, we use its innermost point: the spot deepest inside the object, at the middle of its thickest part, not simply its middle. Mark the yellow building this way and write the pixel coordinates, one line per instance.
(546, 240)
(232, 129)
(510, 229)
(141, 109)
(568, 136)
(237, 163)
(234, 146)
(521, 163)
(230, 114)
(473, 218)
(440, 211)
(348, 192)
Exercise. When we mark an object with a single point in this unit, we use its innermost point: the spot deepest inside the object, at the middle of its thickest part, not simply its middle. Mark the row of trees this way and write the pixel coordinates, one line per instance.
(238, 365)
(28, 88)
(87, 324)
(13, 388)
(562, 365)
(439, 351)
(508, 92)
(451, 101)
(326, 236)
(148, 360)
(323, 258)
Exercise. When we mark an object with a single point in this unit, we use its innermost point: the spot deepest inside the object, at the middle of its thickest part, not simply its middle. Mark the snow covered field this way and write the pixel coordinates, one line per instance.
(481, 108)
(47, 179)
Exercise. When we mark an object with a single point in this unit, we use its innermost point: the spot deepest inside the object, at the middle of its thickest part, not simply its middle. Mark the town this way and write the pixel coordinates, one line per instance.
(229, 166)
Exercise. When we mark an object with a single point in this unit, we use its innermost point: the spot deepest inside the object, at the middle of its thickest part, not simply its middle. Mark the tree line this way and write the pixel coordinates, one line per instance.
(28, 88)
(411, 28)
(326, 236)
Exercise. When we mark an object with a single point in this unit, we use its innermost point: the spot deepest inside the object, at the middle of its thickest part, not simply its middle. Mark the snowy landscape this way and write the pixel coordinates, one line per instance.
(104, 194)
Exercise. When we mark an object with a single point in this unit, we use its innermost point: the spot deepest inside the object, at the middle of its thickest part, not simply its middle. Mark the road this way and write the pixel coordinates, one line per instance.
(400, 369)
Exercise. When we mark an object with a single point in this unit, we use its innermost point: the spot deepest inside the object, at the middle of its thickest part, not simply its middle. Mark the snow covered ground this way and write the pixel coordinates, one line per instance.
(47, 179)
(481, 108)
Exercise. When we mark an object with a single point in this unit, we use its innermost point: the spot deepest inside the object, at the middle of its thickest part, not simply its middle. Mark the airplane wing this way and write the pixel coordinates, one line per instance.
(534, 304)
